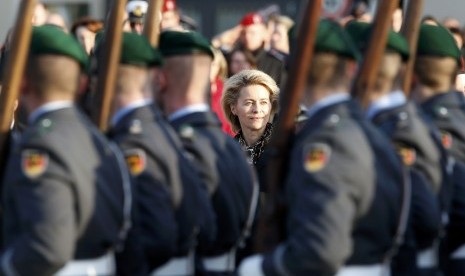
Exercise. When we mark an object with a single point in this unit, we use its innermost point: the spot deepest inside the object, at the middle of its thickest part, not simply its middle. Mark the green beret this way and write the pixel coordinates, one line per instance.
(361, 31)
(137, 51)
(331, 37)
(174, 43)
(436, 41)
(49, 39)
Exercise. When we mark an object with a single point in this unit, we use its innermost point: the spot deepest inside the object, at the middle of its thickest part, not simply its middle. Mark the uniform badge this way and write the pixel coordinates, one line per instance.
(136, 127)
(186, 132)
(446, 139)
(316, 157)
(34, 162)
(408, 155)
(136, 161)
(138, 11)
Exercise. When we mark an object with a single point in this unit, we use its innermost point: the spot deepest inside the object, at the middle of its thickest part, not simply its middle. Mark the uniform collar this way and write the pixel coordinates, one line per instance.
(188, 110)
(127, 109)
(48, 107)
(327, 101)
(389, 101)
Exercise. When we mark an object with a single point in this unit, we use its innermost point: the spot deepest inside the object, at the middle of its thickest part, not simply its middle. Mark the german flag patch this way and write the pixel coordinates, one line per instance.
(136, 161)
(316, 157)
(34, 162)
(446, 139)
(407, 154)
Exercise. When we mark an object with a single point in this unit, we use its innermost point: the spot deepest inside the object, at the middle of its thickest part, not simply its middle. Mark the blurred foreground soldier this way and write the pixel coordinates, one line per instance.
(401, 122)
(137, 10)
(168, 197)
(253, 37)
(435, 67)
(67, 197)
(332, 174)
(171, 18)
(230, 179)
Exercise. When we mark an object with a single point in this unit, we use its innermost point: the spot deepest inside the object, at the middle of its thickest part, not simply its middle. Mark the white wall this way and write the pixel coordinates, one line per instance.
(8, 10)
(445, 8)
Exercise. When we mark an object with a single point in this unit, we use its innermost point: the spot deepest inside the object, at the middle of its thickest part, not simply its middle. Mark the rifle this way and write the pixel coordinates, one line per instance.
(152, 22)
(13, 73)
(368, 71)
(108, 65)
(411, 30)
(271, 225)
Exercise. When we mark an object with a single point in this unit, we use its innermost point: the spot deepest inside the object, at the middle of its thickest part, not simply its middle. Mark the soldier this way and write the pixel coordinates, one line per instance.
(403, 125)
(252, 38)
(67, 196)
(171, 18)
(435, 67)
(136, 14)
(231, 184)
(338, 163)
(168, 190)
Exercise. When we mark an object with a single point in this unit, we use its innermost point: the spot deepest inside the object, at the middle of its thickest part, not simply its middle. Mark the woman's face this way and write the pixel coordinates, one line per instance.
(238, 63)
(253, 107)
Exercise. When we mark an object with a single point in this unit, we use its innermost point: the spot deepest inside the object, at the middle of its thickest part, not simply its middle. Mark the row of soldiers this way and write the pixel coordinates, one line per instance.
(166, 192)
(157, 188)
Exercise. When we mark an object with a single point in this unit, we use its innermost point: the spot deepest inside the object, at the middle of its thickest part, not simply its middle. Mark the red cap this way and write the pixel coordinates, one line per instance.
(252, 18)
(169, 5)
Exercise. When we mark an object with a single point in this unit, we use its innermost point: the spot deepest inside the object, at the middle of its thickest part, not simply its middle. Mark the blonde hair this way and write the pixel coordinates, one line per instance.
(236, 83)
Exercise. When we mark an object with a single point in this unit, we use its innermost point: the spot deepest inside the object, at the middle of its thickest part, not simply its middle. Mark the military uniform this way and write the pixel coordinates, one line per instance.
(167, 186)
(231, 184)
(421, 155)
(63, 201)
(374, 239)
(172, 203)
(447, 112)
(329, 186)
(422, 167)
(230, 180)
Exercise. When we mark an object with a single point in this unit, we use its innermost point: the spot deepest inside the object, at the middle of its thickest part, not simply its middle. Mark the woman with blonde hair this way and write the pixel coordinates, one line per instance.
(250, 101)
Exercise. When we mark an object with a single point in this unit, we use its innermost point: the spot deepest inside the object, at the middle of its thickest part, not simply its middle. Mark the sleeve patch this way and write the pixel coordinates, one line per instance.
(407, 154)
(446, 139)
(34, 162)
(136, 161)
(316, 157)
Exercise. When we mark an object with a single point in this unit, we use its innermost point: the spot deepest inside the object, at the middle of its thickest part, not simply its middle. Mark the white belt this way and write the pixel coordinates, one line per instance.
(221, 263)
(104, 265)
(176, 267)
(459, 253)
(364, 270)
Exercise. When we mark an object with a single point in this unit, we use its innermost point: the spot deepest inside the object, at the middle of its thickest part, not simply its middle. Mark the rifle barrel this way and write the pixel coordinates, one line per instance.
(13, 73)
(411, 30)
(108, 65)
(272, 221)
(367, 74)
(152, 22)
